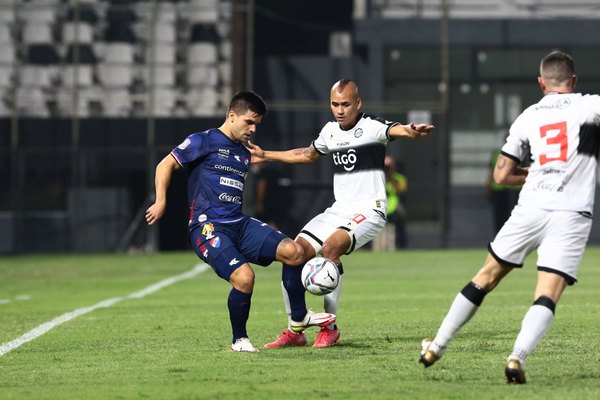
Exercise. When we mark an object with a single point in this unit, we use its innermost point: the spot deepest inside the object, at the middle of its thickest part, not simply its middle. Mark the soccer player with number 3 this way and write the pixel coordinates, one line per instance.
(553, 215)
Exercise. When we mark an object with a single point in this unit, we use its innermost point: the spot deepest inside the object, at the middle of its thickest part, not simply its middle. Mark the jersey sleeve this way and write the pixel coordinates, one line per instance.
(191, 149)
(517, 146)
(381, 127)
(593, 103)
(320, 144)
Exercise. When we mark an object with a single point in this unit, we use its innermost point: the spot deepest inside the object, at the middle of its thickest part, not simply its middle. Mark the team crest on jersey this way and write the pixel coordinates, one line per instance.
(208, 230)
(358, 133)
(215, 242)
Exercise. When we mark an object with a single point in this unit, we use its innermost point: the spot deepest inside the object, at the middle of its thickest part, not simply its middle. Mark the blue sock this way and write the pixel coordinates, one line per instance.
(239, 311)
(292, 282)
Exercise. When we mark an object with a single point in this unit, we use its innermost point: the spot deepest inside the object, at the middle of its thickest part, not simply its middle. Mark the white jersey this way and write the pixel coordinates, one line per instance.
(358, 155)
(562, 132)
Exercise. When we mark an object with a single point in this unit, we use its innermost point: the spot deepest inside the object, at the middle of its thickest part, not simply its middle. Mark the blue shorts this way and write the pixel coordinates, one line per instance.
(227, 246)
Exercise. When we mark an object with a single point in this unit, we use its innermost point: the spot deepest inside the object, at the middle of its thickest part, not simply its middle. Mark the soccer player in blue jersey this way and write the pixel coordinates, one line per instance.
(217, 161)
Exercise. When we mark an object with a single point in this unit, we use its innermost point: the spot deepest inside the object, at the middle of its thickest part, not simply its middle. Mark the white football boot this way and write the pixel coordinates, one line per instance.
(243, 345)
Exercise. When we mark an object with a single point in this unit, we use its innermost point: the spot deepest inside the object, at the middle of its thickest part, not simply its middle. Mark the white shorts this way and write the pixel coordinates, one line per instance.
(559, 236)
(363, 221)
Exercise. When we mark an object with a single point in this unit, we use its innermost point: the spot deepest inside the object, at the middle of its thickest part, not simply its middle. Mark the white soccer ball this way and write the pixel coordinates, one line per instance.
(320, 276)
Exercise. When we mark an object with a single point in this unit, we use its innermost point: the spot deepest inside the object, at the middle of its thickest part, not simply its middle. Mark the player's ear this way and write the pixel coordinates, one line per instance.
(574, 81)
(541, 83)
(230, 116)
(358, 103)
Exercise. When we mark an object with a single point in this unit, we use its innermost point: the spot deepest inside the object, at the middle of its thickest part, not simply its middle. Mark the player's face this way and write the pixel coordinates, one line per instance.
(244, 125)
(345, 106)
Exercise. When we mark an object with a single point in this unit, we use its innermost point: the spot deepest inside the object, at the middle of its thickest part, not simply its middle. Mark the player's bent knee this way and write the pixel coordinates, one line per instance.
(290, 253)
(243, 279)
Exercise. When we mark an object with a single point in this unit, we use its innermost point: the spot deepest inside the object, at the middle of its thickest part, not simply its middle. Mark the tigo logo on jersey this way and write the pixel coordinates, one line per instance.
(207, 230)
(348, 160)
(215, 242)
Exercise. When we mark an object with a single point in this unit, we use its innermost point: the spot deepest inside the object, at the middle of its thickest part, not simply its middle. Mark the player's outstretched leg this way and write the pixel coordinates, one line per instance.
(312, 319)
(464, 306)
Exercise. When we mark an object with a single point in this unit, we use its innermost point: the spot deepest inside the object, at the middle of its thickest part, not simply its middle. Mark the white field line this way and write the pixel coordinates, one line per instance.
(47, 326)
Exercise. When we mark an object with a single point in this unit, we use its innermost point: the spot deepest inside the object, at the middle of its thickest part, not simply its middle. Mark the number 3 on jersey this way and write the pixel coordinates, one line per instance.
(556, 141)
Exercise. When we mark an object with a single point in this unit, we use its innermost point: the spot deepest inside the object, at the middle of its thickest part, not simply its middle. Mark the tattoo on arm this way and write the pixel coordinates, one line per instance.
(501, 163)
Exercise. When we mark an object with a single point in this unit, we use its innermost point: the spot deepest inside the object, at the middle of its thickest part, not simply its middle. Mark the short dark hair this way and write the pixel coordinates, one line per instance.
(247, 100)
(557, 66)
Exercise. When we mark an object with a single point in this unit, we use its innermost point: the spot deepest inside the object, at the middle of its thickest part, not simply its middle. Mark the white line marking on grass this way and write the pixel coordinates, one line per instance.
(47, 326)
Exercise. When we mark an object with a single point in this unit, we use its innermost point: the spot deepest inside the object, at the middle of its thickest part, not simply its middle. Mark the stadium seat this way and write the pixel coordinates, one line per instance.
(41, 54)
(69, 103)
(87, 12)
(77, 75)
(116, 102)
(7, 16)
(119, 53)
(31, 101)
(6, 77)
(202, 53)
(119, 32)
(161, 75)
(161, 53)
(163, 102)
(205, 11)
(202, 75)
(77, 32)
(81, 54)
(37, 33)
(226, 72)
(115, 75)
(7, 53)
(202, 32)
(202, 102)
(5, 111)
(5, 34)
(37, 76)
(30, 12)
(165, 11)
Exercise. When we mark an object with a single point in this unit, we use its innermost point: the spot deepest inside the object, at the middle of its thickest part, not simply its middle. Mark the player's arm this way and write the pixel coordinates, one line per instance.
(508, 172)
(162, 179)
(305, 155)
(410, 131)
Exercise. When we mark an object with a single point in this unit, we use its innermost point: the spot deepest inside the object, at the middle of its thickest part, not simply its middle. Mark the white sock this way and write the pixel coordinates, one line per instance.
(533, 328)
(331, 301)
(461, 311)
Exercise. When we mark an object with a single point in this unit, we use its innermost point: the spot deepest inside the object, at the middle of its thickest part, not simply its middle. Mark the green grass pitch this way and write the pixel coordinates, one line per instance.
(174, 343)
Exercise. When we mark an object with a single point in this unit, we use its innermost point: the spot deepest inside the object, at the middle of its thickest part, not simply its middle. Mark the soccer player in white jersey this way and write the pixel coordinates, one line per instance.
(553, 214)
(357, 144)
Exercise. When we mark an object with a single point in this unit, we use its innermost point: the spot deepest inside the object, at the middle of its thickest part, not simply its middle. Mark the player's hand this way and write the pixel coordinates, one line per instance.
(420, 130)
(258, 154)
(155, 212)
